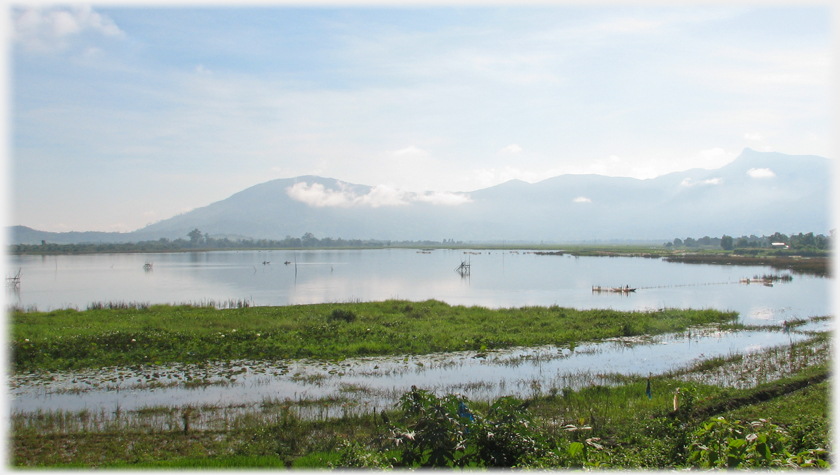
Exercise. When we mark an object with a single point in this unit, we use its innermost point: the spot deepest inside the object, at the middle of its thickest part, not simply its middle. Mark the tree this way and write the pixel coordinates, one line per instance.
(778, 237)
(821, 241)
(195, 236)
(677, 242)
(726, 242)
(309, 240)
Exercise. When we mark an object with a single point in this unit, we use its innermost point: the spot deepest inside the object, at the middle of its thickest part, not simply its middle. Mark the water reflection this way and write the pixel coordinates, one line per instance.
(496, 279)
(518, 371)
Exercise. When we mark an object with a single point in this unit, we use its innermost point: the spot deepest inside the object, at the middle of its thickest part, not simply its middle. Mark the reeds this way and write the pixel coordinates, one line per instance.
(130, 334)
(118, 305)
(581, 392)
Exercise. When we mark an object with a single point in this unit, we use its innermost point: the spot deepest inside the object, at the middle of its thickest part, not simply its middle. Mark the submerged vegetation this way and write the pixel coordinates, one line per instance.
(820, 266)
(669, 421)
(154, 334)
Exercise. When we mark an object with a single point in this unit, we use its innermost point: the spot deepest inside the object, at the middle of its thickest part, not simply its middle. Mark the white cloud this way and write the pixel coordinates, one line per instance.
(443, 198)
(50, 29)
(762, 71)
(710, 181)
(318, 196)
(512, 148)
(410, 150)
(761, 173)
(582, 199)
(381, 195)
(755, 136)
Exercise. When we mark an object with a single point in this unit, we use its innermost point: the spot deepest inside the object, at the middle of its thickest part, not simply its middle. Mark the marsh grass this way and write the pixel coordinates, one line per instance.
(70, 339)
(749, 370)
(613, 418)
(576, 390)
(625, 427)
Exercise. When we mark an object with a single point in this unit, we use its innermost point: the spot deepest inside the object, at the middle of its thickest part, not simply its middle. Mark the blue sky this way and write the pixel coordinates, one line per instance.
(121, 116)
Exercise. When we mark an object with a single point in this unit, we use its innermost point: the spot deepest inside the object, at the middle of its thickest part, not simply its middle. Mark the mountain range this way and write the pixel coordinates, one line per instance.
(758, 193)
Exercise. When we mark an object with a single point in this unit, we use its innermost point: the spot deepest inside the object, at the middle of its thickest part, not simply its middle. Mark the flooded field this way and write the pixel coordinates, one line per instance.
(321, 389)
(156, 394)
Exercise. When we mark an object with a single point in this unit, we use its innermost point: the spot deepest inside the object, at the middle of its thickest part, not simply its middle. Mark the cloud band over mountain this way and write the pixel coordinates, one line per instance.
(318, 196)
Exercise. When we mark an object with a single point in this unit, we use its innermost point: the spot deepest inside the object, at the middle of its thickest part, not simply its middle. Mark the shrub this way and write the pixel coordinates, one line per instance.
(342, 314)
(721, 443)
(441, 432)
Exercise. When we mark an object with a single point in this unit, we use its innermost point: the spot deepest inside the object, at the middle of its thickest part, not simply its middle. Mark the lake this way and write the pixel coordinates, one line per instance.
(497, 279)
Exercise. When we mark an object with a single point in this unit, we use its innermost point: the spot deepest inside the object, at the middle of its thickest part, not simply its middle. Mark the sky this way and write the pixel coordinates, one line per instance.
(119, 116)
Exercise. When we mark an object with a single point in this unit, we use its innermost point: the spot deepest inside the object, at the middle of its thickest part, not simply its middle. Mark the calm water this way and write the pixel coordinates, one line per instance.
(498, 279)
(519, 371)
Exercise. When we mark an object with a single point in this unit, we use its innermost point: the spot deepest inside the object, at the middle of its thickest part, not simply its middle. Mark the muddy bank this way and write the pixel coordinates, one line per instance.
(819, 266)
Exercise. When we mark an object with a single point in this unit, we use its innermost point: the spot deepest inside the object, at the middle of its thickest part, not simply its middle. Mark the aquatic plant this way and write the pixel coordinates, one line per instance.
(69, 339)
(722, 443)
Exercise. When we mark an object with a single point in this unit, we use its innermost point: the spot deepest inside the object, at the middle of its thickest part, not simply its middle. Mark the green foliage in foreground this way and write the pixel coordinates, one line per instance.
(215, 463)
(71, 339)
(444, 432)
(594, 427)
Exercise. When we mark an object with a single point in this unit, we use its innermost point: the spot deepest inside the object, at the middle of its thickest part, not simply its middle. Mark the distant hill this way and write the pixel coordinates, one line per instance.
(758, 193)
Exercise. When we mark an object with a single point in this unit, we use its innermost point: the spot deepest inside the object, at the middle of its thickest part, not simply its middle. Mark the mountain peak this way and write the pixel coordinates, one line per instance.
(759, 192)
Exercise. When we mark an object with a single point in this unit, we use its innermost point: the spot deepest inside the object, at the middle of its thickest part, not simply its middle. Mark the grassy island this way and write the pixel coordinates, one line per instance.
(71, 339)
(772, 412)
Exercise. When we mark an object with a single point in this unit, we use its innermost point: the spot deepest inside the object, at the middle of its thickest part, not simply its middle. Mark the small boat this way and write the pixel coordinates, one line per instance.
(627, 289)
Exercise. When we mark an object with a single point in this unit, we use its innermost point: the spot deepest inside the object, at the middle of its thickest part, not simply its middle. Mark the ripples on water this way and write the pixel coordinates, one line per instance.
(316, 389)
(380, 380)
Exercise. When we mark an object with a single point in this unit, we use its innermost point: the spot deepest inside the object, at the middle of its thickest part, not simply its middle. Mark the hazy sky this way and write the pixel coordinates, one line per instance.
(123, 116)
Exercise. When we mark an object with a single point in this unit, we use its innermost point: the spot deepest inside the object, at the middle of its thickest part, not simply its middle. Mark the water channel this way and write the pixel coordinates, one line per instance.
(497, 279)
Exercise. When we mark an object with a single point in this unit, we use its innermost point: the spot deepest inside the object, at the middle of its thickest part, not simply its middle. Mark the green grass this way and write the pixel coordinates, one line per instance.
(71, 339)
(632, 431)
(629, 430)
(193, 463)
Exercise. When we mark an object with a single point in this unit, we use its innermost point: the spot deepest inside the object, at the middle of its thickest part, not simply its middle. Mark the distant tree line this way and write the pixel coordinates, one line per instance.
(200, 241)
(778, 241)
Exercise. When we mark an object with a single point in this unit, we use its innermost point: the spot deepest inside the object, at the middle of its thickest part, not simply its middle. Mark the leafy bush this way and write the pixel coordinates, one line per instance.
(444, 432)
(342, 314)
(432, 434)
(506, 437)
(721, 443)
(353, 455)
